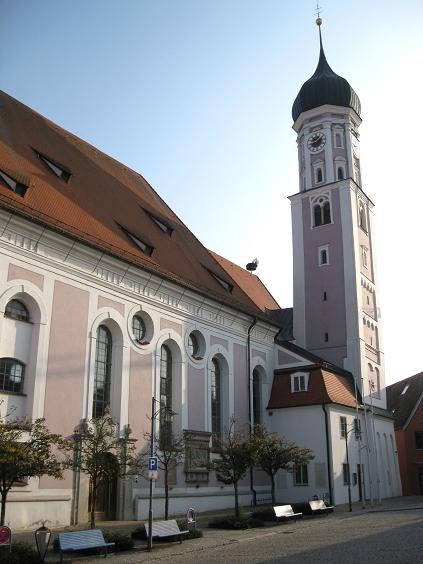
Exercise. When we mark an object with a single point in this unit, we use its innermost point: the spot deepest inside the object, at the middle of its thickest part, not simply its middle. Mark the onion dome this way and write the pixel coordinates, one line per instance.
(324, 87)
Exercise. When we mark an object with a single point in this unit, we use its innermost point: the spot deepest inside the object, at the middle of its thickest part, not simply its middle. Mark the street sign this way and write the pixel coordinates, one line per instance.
(153, 463)
(152, 474)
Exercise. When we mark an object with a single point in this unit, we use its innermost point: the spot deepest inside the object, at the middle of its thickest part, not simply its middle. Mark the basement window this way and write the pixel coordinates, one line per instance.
(13, 184)
(59, 170)
(145, 247)
(224, 283)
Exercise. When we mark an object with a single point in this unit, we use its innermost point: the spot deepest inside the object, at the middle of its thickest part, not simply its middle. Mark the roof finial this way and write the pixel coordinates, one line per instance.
(319, 22)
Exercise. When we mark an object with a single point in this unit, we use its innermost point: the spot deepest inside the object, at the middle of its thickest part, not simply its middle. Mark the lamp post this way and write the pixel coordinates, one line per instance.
(168, 418)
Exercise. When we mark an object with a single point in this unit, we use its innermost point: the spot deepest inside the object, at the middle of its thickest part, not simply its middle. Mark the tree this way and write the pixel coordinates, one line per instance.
(102, 454)
(236, 456)
(273, 452)
(170, 451)
(28, 449)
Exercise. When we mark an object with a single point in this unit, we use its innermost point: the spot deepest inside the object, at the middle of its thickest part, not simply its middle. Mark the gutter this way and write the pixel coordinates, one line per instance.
(250, 328)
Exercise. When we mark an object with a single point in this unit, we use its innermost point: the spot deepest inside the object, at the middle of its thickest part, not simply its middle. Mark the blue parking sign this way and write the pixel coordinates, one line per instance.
(153, 463)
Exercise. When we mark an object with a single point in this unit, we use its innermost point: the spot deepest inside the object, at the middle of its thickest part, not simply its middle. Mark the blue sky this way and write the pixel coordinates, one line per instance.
(197, 94)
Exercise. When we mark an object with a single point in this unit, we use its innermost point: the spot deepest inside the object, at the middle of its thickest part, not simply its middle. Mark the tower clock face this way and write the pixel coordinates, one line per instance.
(316, 142)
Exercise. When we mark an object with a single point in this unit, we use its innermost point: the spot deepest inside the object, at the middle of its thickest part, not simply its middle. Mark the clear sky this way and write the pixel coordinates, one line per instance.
(197, 94)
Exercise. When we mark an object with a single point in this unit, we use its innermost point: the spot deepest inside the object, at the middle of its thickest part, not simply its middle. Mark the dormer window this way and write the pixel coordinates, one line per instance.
(299, 382)
(160, 223)
(224, 283)
(13, 184)
(59, 170)
(362, 216)
(146, 248)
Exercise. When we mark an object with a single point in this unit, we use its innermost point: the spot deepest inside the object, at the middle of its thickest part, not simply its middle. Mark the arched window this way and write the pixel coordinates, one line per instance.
(362, 216)
(11, 375)
(16, 310)
(321, 212)
(216, 401)
(319, 175)
(340, 173)
(165, 393)
(257, 419)
(103, 370)
(338, 140)
(138, 328)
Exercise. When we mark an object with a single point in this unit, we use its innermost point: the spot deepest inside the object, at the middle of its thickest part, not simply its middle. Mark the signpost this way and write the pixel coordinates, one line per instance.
(6, 537)
(153, 467)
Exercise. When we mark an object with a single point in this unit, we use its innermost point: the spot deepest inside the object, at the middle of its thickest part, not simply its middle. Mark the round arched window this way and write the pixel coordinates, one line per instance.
(16, 310)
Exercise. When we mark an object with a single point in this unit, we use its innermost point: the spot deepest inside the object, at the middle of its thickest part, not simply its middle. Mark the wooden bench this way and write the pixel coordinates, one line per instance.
(285, 512)
(319, 506)
(82, 540)
(164, 529)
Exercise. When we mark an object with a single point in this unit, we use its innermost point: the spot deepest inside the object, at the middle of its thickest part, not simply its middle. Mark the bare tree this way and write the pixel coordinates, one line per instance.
(101, 453)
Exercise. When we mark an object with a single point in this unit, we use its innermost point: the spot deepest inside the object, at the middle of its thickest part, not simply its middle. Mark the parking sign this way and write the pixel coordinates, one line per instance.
(153, 464)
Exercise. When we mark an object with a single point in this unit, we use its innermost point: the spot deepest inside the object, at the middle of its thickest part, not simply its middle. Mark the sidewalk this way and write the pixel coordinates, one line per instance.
(211, 537)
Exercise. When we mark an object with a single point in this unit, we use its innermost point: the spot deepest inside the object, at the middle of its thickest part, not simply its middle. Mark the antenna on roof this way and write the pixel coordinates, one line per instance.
(252, 265)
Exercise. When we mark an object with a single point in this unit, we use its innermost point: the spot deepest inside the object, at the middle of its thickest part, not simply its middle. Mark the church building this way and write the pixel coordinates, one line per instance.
(107, 300)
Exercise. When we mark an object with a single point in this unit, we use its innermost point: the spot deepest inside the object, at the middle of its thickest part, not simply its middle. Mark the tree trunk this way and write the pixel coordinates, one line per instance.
(166, 480)
(3, 506)
(93, 501)
(272, 482)
(237, 516)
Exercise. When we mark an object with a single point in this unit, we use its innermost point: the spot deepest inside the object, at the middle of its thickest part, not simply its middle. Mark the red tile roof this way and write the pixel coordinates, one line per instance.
(100, 198)
(250, 283)
(323, 387)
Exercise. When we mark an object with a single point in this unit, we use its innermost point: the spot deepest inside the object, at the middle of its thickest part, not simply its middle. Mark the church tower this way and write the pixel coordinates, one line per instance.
(336, 313)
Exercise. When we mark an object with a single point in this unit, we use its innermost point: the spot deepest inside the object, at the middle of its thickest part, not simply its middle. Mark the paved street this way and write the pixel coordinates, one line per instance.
(388, 536)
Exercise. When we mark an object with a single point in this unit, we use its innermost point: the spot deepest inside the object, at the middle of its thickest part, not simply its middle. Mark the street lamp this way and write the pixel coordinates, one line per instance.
(347, 431)
(167, 419)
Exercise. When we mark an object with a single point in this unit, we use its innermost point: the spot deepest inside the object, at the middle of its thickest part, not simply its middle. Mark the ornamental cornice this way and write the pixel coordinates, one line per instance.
(93, 266)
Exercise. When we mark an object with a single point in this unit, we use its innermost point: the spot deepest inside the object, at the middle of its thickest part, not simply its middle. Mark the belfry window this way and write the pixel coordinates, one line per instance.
(340, 173)
(103, 372)
(319, 175)
(321, 212)
(362, 217)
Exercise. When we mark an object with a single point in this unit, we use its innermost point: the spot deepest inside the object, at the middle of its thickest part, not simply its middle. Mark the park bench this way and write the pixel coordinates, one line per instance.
(319, 506)
(82, 540)
(164, 529)
(285, 512)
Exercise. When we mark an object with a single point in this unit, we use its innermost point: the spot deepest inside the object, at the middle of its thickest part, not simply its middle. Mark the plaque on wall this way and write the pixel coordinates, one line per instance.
(197, 456)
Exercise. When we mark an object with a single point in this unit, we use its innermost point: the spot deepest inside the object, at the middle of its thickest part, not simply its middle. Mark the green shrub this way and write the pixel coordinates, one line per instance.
(234, 523)
(192, 533)
(22, 553)
(264, 514)
(122, 541)
(139, 533)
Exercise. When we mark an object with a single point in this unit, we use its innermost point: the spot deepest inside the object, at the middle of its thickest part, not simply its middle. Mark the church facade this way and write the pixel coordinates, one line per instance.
(108, 300)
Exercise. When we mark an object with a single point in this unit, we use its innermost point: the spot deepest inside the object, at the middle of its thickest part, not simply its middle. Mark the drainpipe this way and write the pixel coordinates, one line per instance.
(328, 455)
(250, 328)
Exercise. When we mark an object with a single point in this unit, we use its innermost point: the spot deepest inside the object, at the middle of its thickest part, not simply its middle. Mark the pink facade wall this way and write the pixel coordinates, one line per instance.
(196, 386)
(219, 341)
(240, 386)
(17, 272)
(260, 354)
(325, 316)
(166, 324)
(140, 394)
(66, 364)
(106, 302)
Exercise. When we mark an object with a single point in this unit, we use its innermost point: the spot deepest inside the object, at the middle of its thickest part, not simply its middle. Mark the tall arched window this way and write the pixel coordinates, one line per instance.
(11, 375)
(216, 400)
(165, 393)
(340, 173)
(319, 175)
(256, 398)
(103, 370)
(15, 309)
(321, 212)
